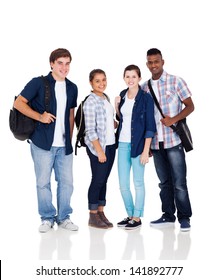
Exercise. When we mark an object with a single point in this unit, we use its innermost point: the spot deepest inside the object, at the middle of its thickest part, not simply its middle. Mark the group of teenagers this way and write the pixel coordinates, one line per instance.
(133, 127)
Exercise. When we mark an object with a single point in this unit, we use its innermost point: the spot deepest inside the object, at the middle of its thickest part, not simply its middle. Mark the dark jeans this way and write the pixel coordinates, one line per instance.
(100, 174)
(171, 169)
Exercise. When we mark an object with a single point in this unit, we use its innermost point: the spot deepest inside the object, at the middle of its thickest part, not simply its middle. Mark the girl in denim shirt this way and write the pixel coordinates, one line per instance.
(135, 111)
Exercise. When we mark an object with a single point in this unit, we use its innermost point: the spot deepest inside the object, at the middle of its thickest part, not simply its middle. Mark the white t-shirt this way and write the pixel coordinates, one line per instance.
(126, 110)
(157, 113)
(59, 133)
(110, 136)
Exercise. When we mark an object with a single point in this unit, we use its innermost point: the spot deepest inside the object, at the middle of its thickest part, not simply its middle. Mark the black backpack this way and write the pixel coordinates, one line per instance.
(22, 126)
(80, 125)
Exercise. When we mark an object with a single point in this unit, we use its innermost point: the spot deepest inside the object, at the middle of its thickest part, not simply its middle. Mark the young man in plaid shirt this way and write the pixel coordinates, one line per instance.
(169, 157)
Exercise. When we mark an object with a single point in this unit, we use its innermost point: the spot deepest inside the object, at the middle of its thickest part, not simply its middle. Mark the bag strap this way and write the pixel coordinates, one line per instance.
(157, 103)
(47, 93)
(155, 98)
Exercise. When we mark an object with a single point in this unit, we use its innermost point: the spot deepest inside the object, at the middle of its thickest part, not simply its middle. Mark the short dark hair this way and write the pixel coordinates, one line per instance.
(94, 72)
(59, 53)
(154, 51)
(133, 67)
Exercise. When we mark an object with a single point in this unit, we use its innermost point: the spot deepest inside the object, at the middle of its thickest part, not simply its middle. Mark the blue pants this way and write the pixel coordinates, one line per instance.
(125, 162)
(44, 163)
(100, 173)
(171, 169)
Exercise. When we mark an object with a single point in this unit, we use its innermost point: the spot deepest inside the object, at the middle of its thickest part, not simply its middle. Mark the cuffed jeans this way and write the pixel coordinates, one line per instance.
(171, 169)
(100, 173)
(44, 162)
(125, 162)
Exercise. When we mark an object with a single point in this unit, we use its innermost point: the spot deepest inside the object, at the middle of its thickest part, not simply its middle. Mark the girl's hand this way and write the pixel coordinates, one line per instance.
(102, 157)
(144, 158)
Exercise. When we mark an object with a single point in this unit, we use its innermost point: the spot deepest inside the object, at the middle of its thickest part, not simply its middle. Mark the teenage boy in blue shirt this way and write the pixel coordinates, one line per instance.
(50, 143)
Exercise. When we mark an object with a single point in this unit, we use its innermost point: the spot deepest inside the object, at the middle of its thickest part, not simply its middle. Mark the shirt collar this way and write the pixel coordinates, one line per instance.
(163, 76)
(97, 97)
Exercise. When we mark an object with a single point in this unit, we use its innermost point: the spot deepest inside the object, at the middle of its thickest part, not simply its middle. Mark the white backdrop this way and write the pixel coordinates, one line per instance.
(108, 35)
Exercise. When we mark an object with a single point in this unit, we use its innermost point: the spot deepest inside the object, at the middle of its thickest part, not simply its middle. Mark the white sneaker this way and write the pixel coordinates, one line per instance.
(68, 224)
(45, 226)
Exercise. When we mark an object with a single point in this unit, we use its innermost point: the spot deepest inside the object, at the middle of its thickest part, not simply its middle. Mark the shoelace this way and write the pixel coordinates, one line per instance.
(102, 215)
(68, 221)
(133, 222)
(45, 222)
(98, 218)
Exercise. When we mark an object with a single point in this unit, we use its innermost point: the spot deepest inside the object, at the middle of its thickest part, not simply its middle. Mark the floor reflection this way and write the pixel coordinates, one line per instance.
(174, 246)
(56, 244)
(97, 249)
(118, 244)
(134, 246)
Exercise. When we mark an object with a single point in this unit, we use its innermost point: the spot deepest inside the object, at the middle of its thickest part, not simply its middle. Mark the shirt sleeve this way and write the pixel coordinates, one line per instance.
(182, 89)
(75, 96)
(90, 119)
(31, 89)
(150, 120)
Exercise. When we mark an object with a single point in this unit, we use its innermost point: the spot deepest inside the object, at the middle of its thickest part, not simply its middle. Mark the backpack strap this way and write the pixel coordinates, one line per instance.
(107, 97)
(47, 93)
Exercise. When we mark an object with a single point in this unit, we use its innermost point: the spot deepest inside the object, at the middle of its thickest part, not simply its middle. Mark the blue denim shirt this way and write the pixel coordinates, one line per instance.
(142, 122)
(34, 91)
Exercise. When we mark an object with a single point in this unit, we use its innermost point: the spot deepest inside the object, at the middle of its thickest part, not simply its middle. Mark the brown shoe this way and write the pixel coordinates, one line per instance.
(95, 221)
(104, 219)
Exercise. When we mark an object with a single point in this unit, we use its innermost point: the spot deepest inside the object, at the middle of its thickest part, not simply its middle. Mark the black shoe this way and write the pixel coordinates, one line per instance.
(124, 222)
(185, 225)
(132, 224)
(162, 222)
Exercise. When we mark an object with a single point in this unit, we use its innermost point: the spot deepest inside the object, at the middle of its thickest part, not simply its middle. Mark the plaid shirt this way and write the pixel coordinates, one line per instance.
(172, 91)
(95, 122)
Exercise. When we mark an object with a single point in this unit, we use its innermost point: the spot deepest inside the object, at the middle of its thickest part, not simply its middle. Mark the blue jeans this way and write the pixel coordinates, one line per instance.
(171, 169)
(44, 163)
(100, 173)
(125, 162)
